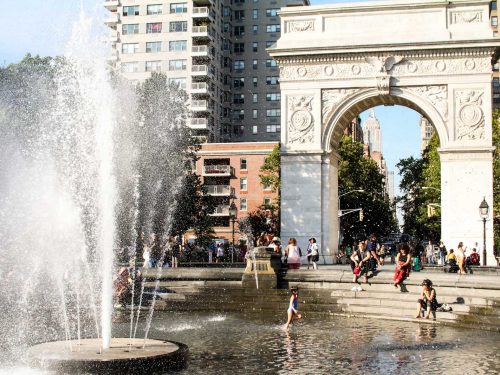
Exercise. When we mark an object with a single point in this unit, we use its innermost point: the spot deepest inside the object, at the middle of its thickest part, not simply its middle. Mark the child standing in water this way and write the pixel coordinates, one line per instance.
(292, 308)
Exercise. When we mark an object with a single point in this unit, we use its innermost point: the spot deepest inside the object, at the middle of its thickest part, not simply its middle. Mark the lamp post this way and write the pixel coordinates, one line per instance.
(484, 212)
(232, 215)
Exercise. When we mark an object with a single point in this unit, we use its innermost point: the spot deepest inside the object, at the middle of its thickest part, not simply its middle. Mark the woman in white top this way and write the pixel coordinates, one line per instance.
(293, 254)
(461, 257)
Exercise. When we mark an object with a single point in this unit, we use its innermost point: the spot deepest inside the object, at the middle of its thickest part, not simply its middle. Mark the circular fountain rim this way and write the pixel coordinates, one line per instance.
(157, 355)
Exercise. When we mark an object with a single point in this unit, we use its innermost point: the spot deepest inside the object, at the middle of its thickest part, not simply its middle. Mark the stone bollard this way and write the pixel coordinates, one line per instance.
(267, 263)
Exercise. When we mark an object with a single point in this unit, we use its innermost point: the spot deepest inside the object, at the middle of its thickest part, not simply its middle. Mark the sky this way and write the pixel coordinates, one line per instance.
(44, 27)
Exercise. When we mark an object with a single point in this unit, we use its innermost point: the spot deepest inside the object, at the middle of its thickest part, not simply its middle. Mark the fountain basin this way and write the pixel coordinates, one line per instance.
(121, 357)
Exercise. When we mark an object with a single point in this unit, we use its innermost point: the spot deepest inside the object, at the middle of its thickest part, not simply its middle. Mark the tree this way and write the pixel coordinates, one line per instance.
(496, 178)
(260, 220)
(359, 173)
(271, 171)
(421, 181)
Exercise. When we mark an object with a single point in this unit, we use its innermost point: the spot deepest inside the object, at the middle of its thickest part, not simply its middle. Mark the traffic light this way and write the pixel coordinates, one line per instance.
(361, 216)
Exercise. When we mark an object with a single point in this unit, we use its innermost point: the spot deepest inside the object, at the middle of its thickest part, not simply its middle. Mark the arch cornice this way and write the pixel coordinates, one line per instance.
(358, 100)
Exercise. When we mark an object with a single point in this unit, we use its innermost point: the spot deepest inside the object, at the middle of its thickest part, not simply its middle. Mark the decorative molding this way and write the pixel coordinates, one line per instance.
(403, 67)
(437, 95)
(469, 115)
(330, 99)
(384, 84)
(383, 64)
(300, 119)
(467, 17)
(299, 26)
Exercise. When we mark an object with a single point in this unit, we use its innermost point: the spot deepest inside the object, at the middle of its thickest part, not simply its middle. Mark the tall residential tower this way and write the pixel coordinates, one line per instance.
(215, 50)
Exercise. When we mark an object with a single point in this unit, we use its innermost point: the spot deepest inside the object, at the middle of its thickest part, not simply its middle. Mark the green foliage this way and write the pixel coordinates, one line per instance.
(359, 173)
(421, 182)
(261, 220)
(271, 171)
(496, 178)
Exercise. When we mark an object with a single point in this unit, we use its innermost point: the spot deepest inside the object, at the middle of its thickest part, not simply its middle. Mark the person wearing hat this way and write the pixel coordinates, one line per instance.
(427, 301)
(312, 253)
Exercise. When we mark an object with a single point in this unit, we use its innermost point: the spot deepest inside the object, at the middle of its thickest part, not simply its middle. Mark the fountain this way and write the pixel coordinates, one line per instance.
(68, 186)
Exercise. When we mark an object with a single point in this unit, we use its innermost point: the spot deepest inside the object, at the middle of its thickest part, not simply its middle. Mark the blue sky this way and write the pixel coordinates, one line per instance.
(44, 26)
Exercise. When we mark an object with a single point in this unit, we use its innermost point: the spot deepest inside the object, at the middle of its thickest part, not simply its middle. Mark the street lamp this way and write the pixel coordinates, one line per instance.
(484, 211)
(232, 215)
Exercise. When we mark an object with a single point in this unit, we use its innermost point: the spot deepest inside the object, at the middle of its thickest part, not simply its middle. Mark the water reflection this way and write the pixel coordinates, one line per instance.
(255, 344)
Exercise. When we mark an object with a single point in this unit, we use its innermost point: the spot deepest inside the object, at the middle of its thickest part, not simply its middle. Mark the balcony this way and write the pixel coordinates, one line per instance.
(199, 88)
(199, 71)
(197, 51)
(199, 123)
(222, 210)
(113, 37)
(200, 32)
(112, 20)
(201, 12)
(217, 171)
(111, 5)
(199, 105)
(220, 190)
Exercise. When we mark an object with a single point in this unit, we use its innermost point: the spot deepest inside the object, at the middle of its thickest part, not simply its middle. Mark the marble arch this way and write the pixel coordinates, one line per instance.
(335, 61)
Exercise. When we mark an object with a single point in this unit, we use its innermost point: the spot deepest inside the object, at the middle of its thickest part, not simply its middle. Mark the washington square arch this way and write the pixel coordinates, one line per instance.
(433, 56)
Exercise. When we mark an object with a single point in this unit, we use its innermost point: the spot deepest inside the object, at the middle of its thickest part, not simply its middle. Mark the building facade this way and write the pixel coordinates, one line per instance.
(426, 133)
(230, 172)
(215, 50)
(496, 72)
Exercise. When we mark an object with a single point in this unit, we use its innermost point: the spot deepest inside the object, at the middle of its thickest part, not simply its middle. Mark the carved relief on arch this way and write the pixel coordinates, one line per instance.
(300, 124)
(330, 99)
(437, 95)
(469, 115)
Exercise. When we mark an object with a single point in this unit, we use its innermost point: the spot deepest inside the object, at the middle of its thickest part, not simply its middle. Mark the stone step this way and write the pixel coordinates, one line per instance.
(388, 303)
(398, 296)
(394, 311)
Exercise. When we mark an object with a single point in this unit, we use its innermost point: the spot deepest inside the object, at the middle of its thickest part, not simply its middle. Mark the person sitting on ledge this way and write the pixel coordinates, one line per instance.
(427, 301)
(452, 262)
(403, 265)
(473, 259)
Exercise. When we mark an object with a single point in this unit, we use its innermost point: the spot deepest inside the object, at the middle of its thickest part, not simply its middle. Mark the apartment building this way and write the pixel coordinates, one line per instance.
(230, 172)
(215, 50)
(496, 72)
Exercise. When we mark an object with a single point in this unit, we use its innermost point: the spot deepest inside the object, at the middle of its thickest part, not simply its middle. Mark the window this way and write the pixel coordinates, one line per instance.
(128, 48)
(255, 98)
(155, 9)
(255, 46)
(255, 64)
(177, 65)
(254, 129)
(273, 96)
(226, 12)
(239, 47)
(273, 28)
(130, 67)
(239, 114)
(273, 112)
(239, 30)
(271, 63)
(267, 200)
(153, 66)
(255, 29)
(493, 5)
(239, 15)
(131, 28)
(255, 81)
(239, 99)
(180, 82)
(269, 43)
(239, 82)
(178, 26)
(273, 128)
(255, 14)
(494, 21)
(153, 28)
(153, 47)
(178, 8)
(243, 204)
(243, 163)
(239, 64)
(239, 1)
(131, 11)
(243, 183)
(177, 45)
(255, 113)
(272, 80)
(272, 12)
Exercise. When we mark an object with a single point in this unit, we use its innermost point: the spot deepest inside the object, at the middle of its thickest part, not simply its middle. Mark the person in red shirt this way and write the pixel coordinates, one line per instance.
(473, 259)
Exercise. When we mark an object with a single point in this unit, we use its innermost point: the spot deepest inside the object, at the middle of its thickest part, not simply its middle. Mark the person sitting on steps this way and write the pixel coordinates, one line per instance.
(427, 301)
